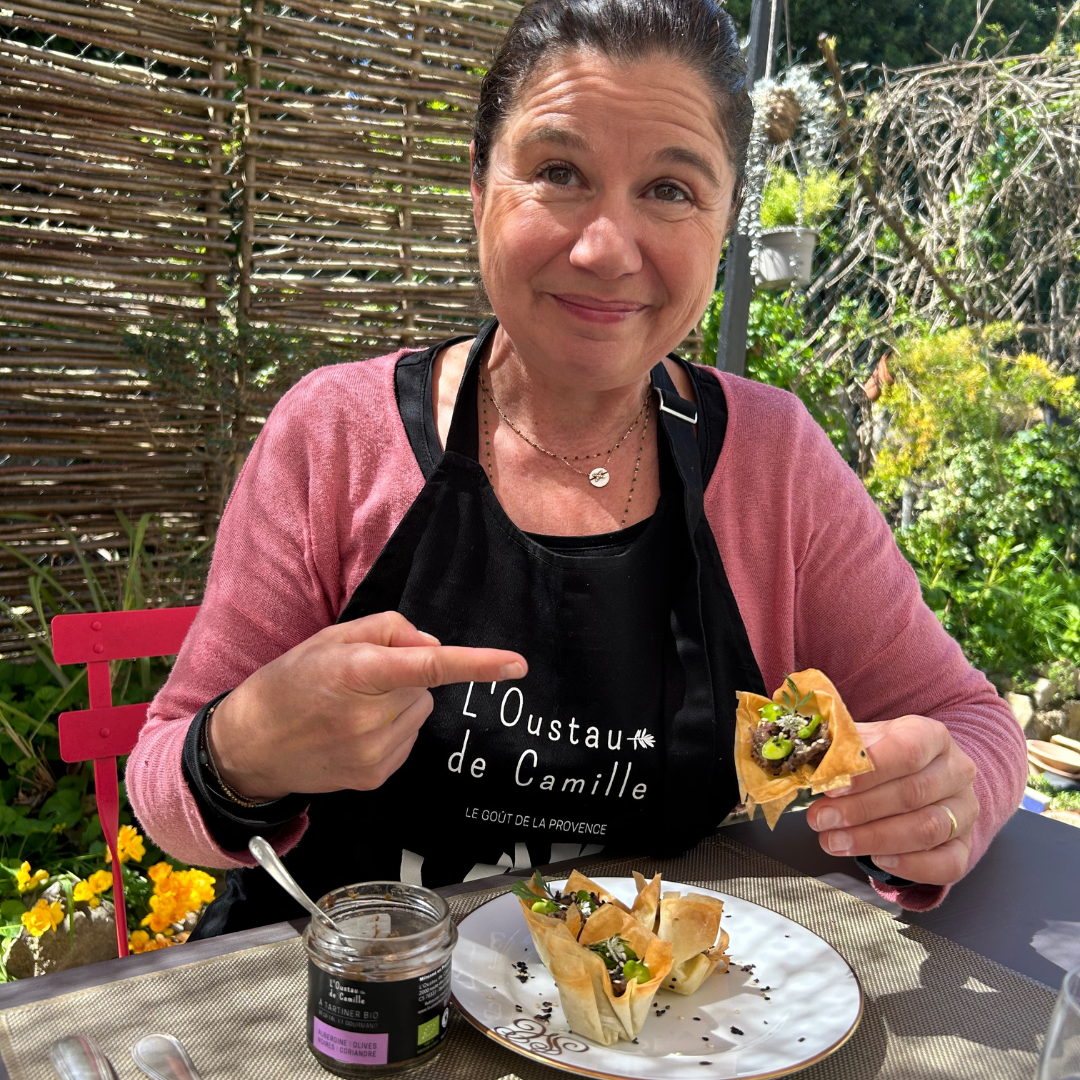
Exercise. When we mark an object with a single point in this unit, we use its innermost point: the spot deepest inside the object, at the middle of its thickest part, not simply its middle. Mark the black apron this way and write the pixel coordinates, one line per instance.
(622, 733)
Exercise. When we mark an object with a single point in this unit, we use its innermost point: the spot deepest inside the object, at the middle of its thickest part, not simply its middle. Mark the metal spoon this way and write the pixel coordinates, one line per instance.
(268, 859)
(162, 1057)
(80, 1058)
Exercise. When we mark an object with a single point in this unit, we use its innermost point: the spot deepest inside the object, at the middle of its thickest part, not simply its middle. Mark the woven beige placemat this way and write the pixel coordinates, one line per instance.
(934, 1010)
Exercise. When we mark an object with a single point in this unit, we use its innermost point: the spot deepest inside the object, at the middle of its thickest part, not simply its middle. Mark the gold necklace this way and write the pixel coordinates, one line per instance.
(485, 394)
(599, 476)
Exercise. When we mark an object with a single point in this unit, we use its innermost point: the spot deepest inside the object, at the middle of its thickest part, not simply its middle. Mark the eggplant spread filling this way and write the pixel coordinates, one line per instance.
(622, 963)
(785, 739)
(557, 904)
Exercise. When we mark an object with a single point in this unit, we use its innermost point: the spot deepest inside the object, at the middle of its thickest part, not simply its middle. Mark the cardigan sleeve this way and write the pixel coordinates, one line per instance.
(326, 482)
(856, 608)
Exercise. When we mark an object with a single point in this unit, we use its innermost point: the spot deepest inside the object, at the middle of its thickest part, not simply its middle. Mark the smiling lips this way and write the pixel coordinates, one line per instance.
(590, 309)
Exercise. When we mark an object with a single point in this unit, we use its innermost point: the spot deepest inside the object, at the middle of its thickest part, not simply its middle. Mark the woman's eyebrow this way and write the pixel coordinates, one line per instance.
(681, 155)
(560, 136)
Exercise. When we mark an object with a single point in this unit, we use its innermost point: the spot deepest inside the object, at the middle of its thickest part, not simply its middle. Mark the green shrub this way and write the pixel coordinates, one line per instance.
(778, 352)
(996, 493)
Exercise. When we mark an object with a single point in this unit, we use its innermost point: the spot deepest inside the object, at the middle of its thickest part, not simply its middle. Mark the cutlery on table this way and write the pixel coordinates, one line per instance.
(80, 1058)
(268, 859)
(163, 1057)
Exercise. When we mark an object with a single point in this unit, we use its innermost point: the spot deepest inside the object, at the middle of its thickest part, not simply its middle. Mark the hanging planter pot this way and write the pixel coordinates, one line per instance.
(785, 257)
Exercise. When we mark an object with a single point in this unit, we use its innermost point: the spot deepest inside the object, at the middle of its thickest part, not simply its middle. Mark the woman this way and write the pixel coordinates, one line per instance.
(485, 603)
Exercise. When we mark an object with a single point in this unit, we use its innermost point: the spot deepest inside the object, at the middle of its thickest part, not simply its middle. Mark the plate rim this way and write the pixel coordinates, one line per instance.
(579, 1070)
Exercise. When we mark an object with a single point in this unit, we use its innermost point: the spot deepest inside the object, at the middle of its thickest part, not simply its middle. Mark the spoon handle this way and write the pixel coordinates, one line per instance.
(268, 859)
(80, 1058)
(162, 1057)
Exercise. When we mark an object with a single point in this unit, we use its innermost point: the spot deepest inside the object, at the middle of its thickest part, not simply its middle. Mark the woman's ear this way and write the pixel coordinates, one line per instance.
(475, 189)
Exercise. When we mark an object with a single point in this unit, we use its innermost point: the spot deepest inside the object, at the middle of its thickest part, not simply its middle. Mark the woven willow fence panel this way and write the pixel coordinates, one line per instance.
(299, 166)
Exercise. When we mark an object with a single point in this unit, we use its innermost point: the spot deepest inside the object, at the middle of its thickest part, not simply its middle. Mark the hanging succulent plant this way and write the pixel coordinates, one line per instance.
(795, 96)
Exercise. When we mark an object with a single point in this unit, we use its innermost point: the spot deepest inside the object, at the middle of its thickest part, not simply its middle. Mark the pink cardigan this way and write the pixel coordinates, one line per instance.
(823, 585)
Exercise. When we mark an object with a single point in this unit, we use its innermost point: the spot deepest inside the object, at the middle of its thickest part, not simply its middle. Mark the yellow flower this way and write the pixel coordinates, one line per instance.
(159, 872)
(100, 881)
(141, 942)
(129, 844)
(43, 916)
(27, 880)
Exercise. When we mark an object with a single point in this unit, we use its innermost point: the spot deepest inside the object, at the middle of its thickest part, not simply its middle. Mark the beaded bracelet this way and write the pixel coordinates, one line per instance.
(206, 759)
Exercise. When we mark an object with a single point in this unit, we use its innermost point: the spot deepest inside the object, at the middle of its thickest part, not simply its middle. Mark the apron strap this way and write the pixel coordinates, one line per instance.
(677, 419)
(464, 435)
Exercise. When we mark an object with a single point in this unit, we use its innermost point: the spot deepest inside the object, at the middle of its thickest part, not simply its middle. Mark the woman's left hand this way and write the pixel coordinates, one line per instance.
(895, 813)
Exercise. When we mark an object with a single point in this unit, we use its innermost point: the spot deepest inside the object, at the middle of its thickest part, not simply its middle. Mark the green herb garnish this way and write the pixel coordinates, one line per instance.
(793, 701)
(520, 888)
(615, 952)
(620, 959)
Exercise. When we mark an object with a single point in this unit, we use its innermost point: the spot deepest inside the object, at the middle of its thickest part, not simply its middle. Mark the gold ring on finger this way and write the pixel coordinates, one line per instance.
(952, 818)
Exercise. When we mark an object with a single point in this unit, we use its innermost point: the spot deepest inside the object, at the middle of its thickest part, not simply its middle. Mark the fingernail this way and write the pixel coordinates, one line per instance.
(431, 639)
(827, 819)
(886, 862)
(839, 842)
(838, 791)
(511, 671)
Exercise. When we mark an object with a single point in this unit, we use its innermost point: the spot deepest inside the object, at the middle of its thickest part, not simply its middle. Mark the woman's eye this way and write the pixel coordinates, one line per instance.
(562, 175)
(670, 193)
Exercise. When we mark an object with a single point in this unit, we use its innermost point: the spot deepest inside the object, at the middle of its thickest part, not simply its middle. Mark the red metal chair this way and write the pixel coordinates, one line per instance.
(105, 731)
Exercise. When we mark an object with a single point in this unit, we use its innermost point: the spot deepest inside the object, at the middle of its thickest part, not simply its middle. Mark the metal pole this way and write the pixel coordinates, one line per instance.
(738, 285)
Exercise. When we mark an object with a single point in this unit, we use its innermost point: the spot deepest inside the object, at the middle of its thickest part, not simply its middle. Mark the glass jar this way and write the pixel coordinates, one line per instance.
(379, 996)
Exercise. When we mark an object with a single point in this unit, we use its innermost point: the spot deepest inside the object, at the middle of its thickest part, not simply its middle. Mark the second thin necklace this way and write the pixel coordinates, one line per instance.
(599, 476)
(593, 477)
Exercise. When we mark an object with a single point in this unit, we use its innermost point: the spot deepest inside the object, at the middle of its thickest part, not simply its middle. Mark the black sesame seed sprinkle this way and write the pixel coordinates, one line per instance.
(736, 1031)
(803, 1039)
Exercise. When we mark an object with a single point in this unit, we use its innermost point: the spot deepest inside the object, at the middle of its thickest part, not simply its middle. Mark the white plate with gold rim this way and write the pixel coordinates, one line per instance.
(789, 999)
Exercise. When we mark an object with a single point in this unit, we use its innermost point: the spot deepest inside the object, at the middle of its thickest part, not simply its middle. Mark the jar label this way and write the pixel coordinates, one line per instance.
(377, 1023)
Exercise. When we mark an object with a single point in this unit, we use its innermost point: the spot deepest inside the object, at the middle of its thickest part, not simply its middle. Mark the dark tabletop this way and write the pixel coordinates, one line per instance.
(1029, 876)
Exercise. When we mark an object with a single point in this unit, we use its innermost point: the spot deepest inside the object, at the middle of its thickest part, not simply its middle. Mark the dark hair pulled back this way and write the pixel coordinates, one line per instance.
(698, 33)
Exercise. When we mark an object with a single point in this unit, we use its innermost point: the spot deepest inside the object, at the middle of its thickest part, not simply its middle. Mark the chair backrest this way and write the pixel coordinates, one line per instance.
(105, 731)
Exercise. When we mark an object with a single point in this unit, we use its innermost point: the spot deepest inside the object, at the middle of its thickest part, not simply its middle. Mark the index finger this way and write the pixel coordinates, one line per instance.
(439, 665)
(897, 748)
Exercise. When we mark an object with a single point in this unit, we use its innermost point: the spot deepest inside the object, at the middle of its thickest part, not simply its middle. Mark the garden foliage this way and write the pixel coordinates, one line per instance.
(981, 441)
(50, 834)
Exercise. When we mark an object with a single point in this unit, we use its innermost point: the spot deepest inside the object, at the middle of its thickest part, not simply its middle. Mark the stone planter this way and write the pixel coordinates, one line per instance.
(93, 940)
(786, 258)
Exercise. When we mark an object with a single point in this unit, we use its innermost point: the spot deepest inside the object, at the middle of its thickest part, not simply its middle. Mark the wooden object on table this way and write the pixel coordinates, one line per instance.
(1051, 755)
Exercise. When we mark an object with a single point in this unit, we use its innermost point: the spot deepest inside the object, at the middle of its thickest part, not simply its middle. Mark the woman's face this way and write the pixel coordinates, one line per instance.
(602, 216)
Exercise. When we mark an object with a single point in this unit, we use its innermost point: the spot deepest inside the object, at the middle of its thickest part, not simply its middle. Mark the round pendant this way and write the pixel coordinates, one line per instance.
(599, 477)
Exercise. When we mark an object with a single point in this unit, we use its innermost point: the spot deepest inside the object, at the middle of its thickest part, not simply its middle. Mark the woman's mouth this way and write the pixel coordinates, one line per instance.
(591, 309)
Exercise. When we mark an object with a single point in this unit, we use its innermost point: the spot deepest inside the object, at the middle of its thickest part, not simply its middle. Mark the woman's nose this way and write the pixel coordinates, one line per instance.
(607, 244)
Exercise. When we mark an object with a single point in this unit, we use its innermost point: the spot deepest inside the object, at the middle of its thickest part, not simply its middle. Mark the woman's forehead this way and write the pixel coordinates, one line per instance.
(581, 98)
